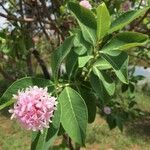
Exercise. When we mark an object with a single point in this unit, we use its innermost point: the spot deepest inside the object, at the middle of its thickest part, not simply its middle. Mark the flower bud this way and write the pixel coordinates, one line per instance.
(85, 4)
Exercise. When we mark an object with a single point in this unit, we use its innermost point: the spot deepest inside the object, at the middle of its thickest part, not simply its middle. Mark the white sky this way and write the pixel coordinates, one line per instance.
(2, 20)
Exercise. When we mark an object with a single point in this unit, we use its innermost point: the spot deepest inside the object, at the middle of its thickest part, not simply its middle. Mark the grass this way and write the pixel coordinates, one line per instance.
(136, 135)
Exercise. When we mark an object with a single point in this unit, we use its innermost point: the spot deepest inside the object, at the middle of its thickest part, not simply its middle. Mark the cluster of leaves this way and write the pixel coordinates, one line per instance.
(95, 58)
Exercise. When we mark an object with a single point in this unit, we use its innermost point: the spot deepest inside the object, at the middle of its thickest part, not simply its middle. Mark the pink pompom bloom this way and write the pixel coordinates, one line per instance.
(107, 110)
(34, 108)
(86, 4)
(126, 6)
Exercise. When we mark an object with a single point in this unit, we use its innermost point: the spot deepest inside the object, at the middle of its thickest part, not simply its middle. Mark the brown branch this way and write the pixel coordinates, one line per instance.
(138, 22)
(68, 141)
(9, 17)
(41, 63)
(21, 8)
(4, 8)
(53, 23)
(145, 15)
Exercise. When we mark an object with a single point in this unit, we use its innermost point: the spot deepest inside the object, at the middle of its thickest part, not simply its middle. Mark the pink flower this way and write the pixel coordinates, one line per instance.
(126, 6)
(86, 4)
(107, 110)
(34, 108)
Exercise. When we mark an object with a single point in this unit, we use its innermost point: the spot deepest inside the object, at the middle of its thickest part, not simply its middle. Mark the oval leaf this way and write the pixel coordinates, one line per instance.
(126, 18)
(84, 15)
(106, 80)
(74, 116)
(60, 54)
(103, 20)
(126, 40)
(119, 62)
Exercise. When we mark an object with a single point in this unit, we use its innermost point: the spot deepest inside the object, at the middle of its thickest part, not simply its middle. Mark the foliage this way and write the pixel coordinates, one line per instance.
(96, 60)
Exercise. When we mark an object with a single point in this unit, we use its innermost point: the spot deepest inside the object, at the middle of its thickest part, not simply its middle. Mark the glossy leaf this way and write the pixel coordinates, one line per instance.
(85, 16)
(80, 44)
(98, 87)
(89, 34)
(119, 62)
(60, 54)
(102, 64)
(90, 100)
(83, 60)
(86, 20)
(126, 40)
(71, 64)
(103, 21)
(106, 80)
(74, 116)
(126, 18)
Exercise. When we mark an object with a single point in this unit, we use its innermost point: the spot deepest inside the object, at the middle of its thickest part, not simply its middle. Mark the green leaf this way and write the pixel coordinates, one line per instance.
(83, 60)
(22, 84)
(2, 35)
(89, 34)
(102, 64)
(74, 116)
(90, 100)
(45, 140)
(126, 40)
(126, 18)
(106, 80)
(103, 20)
(80, 44)
(71, 64)
(86, 20)
(119, 62)
(111, 120)
(60, 54)
(119, 122)
(98, 87)
(85, 16)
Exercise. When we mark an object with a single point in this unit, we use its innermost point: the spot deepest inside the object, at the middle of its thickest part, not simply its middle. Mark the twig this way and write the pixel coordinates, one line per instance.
(140, 4)
(138, 22)
(70, 144)
(68, 140)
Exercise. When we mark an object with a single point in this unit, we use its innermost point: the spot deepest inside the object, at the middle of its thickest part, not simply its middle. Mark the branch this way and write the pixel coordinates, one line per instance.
(134, 25)
(41, 63)
(8, 17)
(145, 15)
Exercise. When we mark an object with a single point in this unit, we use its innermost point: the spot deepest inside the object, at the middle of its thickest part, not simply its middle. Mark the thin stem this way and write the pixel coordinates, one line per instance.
(140, 4)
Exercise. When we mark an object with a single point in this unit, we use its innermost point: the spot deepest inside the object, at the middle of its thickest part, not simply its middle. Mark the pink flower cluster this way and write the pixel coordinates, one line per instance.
(126, 6)
(34, 108)
(86, 4)
(107, 110)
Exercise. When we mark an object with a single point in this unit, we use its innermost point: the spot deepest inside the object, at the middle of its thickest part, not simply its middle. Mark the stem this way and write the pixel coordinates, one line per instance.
(70, 144)
(68, 141)
(140, 4)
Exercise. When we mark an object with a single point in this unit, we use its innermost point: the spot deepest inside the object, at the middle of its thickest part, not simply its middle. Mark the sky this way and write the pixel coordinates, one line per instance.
(2, 20)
